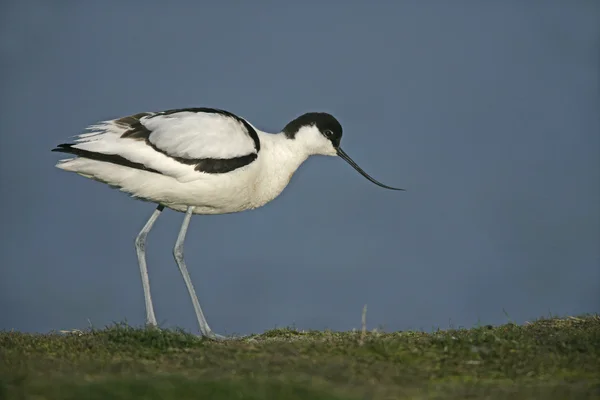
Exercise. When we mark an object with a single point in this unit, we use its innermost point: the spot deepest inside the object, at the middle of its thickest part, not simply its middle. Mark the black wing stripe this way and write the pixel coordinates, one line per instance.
(110, 158)
(208, 165)
(220, 166)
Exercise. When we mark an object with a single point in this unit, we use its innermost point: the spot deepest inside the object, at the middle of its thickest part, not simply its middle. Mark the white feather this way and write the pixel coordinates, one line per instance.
(197, 135)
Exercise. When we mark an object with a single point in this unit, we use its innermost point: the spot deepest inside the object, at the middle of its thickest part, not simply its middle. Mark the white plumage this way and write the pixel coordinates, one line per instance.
(199, 135)
(198, 161)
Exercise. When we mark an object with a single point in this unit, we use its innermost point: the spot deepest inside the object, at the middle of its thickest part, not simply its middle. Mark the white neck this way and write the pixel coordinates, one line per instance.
(279, 158)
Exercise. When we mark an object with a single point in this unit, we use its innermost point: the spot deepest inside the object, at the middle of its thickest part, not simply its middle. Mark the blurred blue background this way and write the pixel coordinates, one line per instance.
(488, 113)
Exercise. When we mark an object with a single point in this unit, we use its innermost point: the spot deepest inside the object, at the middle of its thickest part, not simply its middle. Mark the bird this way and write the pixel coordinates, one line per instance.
(198, 161)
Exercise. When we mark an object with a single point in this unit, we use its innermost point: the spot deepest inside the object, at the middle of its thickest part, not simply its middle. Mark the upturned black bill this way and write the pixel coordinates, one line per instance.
(354, 165)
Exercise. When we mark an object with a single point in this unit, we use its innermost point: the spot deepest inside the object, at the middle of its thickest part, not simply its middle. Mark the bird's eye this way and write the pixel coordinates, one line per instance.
(328, 133)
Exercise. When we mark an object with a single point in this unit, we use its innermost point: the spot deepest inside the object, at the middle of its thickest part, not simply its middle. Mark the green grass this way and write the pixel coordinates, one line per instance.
(546, 359)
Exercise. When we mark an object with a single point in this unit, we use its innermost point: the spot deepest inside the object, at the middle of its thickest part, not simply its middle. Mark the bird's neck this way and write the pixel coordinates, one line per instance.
(280, 157)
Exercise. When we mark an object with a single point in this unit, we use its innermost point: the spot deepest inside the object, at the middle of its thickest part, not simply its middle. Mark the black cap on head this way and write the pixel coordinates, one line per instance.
(325, 123)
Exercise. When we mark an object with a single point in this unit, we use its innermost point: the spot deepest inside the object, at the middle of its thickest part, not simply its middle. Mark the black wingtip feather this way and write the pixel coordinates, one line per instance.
(63, 148)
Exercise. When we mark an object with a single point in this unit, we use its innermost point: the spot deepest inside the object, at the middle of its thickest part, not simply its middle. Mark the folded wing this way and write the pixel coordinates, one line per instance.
(182, 143)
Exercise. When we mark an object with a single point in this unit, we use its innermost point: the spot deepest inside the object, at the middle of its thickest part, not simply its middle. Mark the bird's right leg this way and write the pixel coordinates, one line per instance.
(178, 254)
(140, 248)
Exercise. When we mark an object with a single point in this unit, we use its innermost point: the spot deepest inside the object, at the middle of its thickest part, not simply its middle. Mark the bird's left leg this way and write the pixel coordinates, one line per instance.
(178, 253)
(140, 249)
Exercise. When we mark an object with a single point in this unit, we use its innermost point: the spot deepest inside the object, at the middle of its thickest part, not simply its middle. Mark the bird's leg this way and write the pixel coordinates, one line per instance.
(140, 249)
(178, 253)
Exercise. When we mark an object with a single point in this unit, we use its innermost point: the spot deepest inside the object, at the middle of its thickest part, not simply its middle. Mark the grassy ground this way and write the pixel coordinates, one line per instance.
(547, 359)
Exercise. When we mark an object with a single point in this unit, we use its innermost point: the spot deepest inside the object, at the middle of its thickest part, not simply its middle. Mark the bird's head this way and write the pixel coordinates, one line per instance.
(320, 134)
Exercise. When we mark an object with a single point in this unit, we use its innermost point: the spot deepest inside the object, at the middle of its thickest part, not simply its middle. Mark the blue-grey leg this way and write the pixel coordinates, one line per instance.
(140, 249)
(178, 253)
